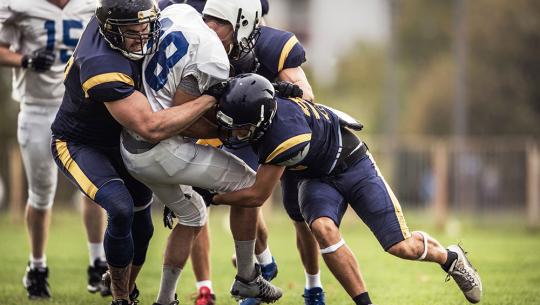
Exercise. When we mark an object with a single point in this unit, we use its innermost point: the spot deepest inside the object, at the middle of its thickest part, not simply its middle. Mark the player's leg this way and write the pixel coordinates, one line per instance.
(323, 207)
(94, 222)
(200, 261)
(307, 245)
(373, 200)
(33, 134)
(93, 171)
(190, 209)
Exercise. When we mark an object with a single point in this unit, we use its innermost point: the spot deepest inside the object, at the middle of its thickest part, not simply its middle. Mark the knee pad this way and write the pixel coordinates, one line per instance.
(333, 248)
(42, 181)
(114, 197)
(425, 237)
(141, 232)
(190, 210)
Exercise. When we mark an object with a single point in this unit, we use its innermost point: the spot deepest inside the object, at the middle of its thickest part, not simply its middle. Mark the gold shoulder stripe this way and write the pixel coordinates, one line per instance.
(285, 51)
(73, 168)
(106, 78)
(288, 144)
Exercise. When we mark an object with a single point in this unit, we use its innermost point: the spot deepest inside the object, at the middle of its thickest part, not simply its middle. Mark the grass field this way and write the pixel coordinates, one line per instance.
(506, 255)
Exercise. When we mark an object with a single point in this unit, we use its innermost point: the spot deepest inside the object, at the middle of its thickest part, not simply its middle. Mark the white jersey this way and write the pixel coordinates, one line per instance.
(187, 47)
(29, 25)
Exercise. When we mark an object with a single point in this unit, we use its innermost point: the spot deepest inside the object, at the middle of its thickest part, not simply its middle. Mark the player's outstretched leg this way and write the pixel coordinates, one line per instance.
(249, 282)
(453, 260)
(340, 260)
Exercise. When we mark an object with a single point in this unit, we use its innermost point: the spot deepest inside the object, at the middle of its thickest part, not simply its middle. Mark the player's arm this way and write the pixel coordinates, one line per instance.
(9, 58)
(267, 177)
(134, 112)
(297, 76)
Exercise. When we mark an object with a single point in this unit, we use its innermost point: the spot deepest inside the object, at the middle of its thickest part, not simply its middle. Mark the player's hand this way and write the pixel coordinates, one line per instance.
(207, 195)
(217, 90)
(40, 61)
(286, 89)
(168, 217)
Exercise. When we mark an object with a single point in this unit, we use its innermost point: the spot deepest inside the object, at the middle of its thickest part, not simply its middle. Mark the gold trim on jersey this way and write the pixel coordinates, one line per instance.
(288, 144)
(73, 168)
(210, 142)
(397, 207)
(68, 67)
(285, 51)
(106, 78)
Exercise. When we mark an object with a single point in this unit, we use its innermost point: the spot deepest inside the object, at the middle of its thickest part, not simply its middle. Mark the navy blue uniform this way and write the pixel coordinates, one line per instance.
(86, 140)
(307, 139)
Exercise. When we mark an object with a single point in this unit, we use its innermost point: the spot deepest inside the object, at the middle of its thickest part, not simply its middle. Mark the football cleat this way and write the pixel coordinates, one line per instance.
(205, 297)
(95, 274)
(465, 275)
(269, 271)
(175, 302)
(314, 296)
(257, 288)
(36, 284)
(121, 302)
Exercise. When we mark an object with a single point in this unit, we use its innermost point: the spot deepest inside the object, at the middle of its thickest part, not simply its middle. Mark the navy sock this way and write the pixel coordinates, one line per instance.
(452, 256)
(362, 299)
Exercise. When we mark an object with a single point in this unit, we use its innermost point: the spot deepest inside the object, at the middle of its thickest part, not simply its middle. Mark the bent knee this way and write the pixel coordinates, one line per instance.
(325, 231)
(410, 248)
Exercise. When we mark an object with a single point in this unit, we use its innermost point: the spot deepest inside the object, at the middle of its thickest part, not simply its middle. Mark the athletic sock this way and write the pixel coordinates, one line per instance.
(265, 257)
(245, 260)
(38, 262)
(362, 299)
(313, 280)
(451, 257)
(167, 288)
(95, 251)
(206, 283)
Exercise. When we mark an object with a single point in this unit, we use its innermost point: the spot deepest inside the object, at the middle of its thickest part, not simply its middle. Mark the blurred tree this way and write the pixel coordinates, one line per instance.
(503, 67)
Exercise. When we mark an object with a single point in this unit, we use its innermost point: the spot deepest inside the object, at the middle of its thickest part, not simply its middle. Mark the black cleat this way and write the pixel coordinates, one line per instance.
(95, 274)
(121, 302)
(35, 282)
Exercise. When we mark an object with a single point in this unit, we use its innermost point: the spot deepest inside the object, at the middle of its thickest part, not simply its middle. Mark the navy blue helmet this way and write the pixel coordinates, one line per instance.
(116, 16)
(245, 110)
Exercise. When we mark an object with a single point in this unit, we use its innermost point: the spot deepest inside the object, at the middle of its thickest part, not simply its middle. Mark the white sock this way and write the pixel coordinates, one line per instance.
(167, 288)
(40, 262)
(245, 260)
(313, 280)
(95, 251)
(206, 283)
(265, 257)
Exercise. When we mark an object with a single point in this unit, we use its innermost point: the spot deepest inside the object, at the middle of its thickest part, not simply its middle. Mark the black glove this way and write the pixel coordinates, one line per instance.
(168, 217)
(40, 61)
(207, 195)
(217, 90)
(286, 89)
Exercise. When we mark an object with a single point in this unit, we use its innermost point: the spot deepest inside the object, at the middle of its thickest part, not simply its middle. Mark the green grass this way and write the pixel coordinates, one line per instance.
(507, 256)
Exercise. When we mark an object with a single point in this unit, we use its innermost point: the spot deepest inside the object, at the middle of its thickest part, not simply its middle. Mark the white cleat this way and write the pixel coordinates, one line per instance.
(465, 275)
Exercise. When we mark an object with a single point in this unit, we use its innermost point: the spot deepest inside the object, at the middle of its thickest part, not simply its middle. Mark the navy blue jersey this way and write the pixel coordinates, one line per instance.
(95, 74)
(303, 136)
(277, 50)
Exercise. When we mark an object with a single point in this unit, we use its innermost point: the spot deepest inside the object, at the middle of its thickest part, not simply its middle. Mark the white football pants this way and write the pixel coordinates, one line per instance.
(34, 137)
(174, 165)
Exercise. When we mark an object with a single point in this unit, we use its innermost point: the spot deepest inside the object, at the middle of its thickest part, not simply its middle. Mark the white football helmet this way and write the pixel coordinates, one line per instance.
(244, 16)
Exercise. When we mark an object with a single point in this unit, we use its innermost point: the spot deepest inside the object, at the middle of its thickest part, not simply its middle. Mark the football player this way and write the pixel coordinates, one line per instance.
(314, 146)
(37, 39)
(102, 79)
(190, 61)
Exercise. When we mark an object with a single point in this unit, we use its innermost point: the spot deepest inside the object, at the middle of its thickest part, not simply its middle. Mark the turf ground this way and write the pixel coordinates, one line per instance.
(507, 256)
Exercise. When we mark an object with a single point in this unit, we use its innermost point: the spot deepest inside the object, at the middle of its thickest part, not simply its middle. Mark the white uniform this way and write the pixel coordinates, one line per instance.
(187, 48)
(29, 25)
